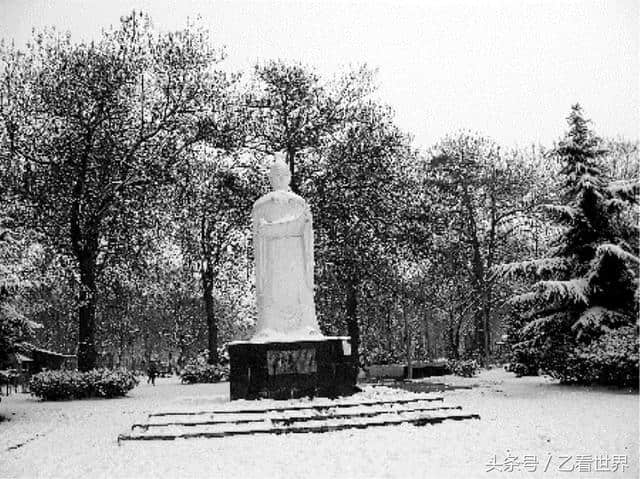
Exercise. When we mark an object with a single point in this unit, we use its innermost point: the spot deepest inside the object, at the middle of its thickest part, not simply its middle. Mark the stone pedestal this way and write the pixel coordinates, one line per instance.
(290, 369)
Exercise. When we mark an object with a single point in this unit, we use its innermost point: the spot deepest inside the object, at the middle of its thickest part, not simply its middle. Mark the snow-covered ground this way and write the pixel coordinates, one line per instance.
(524, 421)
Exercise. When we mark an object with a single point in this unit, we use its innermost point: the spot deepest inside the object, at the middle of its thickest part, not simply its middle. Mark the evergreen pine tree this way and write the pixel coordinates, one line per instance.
(579, 318)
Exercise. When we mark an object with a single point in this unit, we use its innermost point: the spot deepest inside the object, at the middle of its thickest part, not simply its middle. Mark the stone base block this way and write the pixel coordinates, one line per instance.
(321, 367)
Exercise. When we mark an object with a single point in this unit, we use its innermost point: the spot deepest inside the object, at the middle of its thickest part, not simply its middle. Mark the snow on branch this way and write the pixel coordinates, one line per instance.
(624, 188)
(587, 181)
(596, 318)
(574, 290)
(616, 204)
(523, 299)
(563, 211)
(539, 324)
(615, 250)
(535, 267)
(14, 315)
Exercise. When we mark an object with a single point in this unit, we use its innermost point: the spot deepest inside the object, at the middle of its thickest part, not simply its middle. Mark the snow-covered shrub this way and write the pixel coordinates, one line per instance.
(198, 371)
(540, 346)
(521, 369)
(58, 385)
(202, 357)
(464, 367)
(107, 383)
(103, 383)
(610, 359)
(524, 360)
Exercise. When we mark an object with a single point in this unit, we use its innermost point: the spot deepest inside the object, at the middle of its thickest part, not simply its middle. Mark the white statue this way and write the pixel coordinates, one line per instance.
(283, 243)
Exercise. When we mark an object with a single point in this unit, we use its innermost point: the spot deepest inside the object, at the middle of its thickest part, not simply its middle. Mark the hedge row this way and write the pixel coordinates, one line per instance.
(100, 383)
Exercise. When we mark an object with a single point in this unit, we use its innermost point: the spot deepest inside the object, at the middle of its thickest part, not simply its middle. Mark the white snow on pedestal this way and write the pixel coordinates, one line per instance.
(289, 338)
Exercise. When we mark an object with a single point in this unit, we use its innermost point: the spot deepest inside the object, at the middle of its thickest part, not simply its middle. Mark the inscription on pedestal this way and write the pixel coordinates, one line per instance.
(297, 361)
(285, 370)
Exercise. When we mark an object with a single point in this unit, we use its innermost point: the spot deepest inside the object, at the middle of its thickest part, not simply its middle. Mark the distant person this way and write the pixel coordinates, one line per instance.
(152, 372)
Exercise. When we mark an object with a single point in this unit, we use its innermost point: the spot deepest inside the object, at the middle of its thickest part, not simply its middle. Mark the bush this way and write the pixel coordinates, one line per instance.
(526, 360)
(199, 371)
(380, 355)
(102, 383)
(522, 369)
(464, 367)
(58, 385)
(612, 359)
(541, 349)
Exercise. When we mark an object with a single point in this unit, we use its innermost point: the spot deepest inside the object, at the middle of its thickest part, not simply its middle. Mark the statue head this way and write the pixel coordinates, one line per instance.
(279, 174)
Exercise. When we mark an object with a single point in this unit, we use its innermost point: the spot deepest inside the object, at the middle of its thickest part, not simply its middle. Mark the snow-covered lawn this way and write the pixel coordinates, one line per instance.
(531, 417)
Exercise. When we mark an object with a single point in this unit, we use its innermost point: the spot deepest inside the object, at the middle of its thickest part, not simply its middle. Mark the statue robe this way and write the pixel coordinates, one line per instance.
(283, 243)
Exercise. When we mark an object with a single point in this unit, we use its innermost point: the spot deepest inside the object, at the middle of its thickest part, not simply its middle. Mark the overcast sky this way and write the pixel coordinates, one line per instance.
(508, 69)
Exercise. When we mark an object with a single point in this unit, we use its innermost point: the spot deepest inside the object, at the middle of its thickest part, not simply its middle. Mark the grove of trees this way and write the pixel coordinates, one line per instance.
(129, 164)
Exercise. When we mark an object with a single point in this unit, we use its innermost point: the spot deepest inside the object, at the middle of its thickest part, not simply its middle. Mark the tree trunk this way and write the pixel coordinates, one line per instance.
(389, 328)
(408, 345)
(453, 339)
(87, 354)
(452, 347)
(212, 323)
(291, 158)
(479, 338)
(486, 316)
(426, 337)
(482, 336)
(352, 321)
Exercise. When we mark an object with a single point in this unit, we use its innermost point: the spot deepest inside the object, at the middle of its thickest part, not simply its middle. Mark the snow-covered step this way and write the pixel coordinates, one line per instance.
(312, 426)
(268, 425)
(234, 408)
(289, 417)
